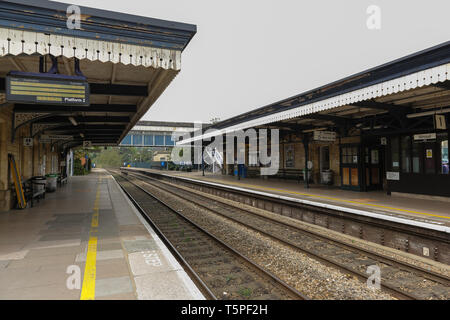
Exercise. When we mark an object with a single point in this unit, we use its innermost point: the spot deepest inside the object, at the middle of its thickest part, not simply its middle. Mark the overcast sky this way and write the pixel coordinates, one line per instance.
(250, 53)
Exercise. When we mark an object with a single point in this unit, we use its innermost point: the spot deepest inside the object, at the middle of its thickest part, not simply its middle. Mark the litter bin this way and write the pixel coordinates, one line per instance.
(327, 177)
(38, 183)
(52, 180)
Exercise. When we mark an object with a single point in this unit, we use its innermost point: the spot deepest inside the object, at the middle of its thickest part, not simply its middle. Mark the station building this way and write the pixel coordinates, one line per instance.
(63, 87)
(385, 128)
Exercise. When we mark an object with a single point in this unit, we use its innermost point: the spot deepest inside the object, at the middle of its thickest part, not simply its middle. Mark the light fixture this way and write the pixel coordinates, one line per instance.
(427, 113)
(82, 135)
(74, 122)
(315, 129)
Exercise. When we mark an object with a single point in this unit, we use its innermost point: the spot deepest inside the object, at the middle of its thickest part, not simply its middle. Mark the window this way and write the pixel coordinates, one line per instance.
(416, 152)
(148, 140)
(395, 154)
(127, 140)
(137, 140)
(169, 141)
(159, 140)
(444, 157)
(349, 155)
(406, 154)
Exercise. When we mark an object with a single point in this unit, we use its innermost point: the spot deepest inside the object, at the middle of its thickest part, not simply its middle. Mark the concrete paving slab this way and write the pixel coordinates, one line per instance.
(52, 292)
(113, 268)
(123, 296)
(54, 244)
(17, 255)
(64, 260)
(48, 252)
(132, 246)
(102, 255)
(4, 264)
(113, 286)
(148, 262)
(161, 286)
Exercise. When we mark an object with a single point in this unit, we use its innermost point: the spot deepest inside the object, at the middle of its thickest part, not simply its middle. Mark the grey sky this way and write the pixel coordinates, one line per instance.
(249, 53)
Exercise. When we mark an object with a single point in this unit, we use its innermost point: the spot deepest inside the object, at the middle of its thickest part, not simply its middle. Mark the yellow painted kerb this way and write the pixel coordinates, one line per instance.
(330, 198)
(90, 272)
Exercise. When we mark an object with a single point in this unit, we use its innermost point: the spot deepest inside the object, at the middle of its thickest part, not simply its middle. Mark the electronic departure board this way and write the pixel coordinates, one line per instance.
(46, 90)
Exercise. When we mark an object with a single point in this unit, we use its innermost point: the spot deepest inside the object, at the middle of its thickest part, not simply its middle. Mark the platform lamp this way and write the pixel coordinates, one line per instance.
(74, 122)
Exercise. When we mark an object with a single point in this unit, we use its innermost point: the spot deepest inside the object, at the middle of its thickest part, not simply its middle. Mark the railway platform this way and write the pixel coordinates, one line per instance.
(87, 241)
(430, 211)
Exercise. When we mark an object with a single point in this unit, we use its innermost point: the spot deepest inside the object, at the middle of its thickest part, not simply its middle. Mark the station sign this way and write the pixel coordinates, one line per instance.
(46, 90)
(439, 122)
(425, 137)
(326, 136)
(56, 137)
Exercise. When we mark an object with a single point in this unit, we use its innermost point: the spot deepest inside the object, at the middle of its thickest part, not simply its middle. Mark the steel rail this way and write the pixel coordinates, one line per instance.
(291, 291)
(423, 272)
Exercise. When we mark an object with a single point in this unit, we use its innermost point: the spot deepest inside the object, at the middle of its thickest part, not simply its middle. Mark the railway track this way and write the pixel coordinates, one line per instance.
(401, 279)
(219, 271)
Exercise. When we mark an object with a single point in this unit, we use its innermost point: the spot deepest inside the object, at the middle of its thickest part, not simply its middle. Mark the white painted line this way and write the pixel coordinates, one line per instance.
(424, 225)
(187, 281)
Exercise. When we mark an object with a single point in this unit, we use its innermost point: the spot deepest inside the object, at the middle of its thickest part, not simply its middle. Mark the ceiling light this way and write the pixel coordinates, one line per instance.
(74, 122)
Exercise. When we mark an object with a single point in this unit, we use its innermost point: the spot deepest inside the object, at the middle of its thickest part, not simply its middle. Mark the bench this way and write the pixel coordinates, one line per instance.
(30, 193)
(62, 180)
(289, 173)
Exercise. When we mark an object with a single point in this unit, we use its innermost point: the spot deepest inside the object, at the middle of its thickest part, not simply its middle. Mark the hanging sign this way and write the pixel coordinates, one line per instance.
(383, 141)
(87, 144)
(45, 88)
(56, 137)
(439, 122)
(328, 136)
(425, 137)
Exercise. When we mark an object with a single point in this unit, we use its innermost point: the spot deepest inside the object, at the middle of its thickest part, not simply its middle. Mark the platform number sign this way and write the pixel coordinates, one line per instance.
(28, 142)
(87, 144)
(439, 122)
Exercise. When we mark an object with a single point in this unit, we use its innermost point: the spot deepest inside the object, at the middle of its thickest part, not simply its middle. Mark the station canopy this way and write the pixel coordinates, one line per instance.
(128, 61)
(391, 98)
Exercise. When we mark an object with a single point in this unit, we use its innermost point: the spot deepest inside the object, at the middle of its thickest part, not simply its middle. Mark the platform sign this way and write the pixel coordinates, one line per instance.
(28, 142)
(47, 91)
(56, 137)
(425, 137)
(393, 176)
(326, 136)
(87, 144)
(439, 122)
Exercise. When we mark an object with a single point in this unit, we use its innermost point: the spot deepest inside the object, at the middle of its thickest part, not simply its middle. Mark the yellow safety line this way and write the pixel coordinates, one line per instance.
(88, 289)
(330, 198)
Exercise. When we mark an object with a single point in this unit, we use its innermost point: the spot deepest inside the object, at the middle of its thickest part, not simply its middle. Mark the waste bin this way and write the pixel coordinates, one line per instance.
(327, 177)
(38, 183)
(52, 180)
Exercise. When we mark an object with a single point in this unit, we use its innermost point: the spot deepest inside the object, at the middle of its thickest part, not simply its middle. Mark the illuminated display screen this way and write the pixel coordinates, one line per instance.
(46, 91)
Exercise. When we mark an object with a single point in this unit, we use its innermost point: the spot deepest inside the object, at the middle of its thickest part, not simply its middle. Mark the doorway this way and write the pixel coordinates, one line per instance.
(350, 167)
(373, 168)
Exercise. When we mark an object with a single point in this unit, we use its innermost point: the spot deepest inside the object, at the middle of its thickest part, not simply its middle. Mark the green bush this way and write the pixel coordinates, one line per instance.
(78, 169)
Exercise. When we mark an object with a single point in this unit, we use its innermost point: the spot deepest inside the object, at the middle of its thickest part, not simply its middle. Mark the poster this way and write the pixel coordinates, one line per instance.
(289, 157)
